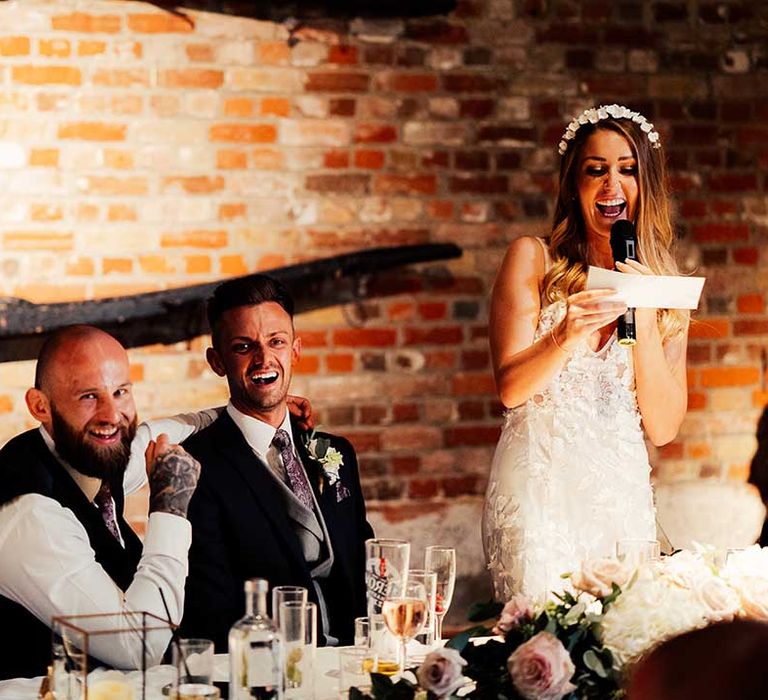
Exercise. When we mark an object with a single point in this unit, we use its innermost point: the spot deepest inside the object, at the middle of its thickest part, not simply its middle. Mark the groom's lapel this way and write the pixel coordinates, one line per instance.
(311, 466)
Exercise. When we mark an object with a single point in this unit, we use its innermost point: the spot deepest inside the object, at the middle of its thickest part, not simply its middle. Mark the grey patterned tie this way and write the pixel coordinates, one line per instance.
(106, 506)
(296, 476)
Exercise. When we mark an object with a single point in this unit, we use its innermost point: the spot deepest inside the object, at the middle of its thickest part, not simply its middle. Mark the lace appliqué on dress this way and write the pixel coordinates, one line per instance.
(570, 475)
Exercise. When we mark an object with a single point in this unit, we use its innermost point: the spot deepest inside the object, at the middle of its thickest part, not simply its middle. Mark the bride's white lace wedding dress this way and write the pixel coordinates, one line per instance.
(570, 475)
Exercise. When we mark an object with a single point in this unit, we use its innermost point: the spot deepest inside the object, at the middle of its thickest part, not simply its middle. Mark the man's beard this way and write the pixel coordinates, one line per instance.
(105, 463)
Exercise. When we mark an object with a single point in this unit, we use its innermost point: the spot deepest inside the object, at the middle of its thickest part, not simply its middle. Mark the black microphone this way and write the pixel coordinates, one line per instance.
(624, 247)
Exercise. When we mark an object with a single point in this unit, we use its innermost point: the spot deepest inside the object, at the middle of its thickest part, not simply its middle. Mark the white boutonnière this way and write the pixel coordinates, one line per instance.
(330, 461)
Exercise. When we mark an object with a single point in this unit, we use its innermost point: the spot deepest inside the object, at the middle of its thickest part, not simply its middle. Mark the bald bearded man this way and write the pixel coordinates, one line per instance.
(64, 546)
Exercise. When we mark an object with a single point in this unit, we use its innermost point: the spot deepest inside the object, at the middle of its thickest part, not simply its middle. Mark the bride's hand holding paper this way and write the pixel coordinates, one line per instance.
(640, 290)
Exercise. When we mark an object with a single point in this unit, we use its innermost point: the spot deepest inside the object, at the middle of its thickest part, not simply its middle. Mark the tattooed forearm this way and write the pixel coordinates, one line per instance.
(172, 482)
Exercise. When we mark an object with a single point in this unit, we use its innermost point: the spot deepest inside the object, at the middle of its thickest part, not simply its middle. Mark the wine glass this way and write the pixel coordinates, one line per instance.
(441, 560)
(634, 551)
(405, 612)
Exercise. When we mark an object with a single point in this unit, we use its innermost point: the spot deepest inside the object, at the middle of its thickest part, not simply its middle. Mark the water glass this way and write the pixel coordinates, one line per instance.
(362, 632)
(193, 662)
(441, 560)
(383, 645)
(427, 636)
(298, 627)
(355, 665)
(282, 594)
(386, 561)
(637, 551)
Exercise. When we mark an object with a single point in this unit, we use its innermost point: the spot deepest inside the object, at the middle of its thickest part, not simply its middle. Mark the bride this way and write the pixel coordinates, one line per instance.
(570, 475)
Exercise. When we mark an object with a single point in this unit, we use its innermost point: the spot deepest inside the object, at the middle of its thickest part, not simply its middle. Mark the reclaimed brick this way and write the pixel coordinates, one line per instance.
(470, 82)
(756, 326)
(38, 240)
(194, 239)
(731, 376)
(348, 184)
(708, 233)
(436, 31)
(160, 23)
(407, 82)
(404, 184)
(364, 337)
(244, 133)
(471, 436)
(92, 131)
(46, 75)
(746, 256)
(44, 157)
(14, 46)
(337, 82)
(191, 78)
(82, 22)
(369, 159)
(753, 303)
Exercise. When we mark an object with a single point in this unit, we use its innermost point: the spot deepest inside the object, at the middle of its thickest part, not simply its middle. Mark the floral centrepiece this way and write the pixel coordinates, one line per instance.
(579, 646)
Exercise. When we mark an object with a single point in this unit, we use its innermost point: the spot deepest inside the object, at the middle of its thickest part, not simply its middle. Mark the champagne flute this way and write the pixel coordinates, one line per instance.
(441, 560)
(405, 612)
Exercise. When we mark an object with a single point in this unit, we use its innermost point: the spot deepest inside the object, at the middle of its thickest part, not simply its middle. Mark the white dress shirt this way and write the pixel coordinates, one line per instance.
(178, 428)
(259, 436)
(48, 565)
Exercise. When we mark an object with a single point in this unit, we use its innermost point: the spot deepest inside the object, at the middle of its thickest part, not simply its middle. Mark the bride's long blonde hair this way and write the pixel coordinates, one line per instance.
(655, 237)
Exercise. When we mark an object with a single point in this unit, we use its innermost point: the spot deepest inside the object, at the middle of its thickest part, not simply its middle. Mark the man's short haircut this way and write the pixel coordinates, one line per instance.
(246, 291)
(54, 342)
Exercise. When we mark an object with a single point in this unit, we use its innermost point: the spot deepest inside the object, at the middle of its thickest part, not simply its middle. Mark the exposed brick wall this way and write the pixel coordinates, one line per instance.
(140, 151)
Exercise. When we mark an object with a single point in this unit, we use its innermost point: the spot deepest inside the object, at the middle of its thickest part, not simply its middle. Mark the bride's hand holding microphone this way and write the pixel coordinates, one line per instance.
(645, 318)
(586, 312)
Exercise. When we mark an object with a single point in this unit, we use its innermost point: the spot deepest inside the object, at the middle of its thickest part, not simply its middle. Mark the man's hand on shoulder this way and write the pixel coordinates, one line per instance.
(173, 475)
(301, 409)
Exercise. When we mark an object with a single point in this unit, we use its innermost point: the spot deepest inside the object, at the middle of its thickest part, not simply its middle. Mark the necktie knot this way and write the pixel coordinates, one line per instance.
(281, 440)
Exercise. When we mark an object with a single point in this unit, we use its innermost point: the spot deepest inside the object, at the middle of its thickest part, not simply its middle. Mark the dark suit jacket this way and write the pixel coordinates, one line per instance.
(240, 530)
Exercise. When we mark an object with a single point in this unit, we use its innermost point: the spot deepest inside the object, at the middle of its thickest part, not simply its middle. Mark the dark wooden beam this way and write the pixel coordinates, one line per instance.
(271, 10)
(179, 314)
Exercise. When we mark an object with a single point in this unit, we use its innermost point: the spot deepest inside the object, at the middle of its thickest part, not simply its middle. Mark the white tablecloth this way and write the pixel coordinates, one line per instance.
(326, 678)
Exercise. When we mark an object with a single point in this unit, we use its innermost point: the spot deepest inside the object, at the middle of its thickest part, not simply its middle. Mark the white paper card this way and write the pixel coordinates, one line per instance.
(648, 291)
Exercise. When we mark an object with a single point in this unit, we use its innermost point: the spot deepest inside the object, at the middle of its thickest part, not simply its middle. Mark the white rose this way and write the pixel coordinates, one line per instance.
(753, 592)
(597, 576)
(720, 601)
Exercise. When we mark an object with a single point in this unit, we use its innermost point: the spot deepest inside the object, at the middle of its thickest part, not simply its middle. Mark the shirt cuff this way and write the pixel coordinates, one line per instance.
(168, 534)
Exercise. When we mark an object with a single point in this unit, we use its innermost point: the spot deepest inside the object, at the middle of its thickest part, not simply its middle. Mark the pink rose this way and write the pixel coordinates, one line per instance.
(541, 669)
(597, 576)
(441, 672)
(719, 599)
(516, 610)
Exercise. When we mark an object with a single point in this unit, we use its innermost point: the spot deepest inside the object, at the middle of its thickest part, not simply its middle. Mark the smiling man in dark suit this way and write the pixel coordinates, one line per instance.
(273, 501)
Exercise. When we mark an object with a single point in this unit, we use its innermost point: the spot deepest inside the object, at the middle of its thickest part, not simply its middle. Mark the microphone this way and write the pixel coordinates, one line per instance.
(623, 247)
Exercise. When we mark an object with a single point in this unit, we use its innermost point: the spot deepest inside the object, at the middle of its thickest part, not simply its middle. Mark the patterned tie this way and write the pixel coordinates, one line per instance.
(106, 507)
(294, 470)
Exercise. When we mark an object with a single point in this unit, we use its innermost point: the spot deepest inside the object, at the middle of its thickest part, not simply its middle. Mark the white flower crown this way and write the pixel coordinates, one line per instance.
(595, 114)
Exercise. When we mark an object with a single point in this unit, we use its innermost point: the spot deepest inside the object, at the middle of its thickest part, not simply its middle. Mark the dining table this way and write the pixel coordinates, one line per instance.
(326, 672)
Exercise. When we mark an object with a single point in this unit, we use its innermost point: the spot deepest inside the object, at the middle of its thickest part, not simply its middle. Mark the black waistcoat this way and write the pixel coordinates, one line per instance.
(27, 466)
